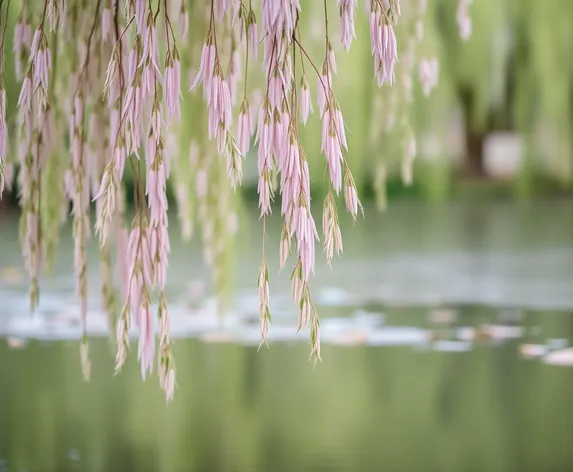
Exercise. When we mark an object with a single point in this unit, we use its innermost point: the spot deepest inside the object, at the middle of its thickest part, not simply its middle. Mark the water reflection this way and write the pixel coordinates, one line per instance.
(456, 404)
(438, 387)
(489, 254)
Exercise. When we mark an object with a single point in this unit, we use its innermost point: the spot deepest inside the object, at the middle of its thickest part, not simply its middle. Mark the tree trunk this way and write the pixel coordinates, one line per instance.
(473, 164)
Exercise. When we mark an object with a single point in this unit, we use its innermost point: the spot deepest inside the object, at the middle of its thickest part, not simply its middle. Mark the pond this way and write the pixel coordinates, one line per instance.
(446, 347)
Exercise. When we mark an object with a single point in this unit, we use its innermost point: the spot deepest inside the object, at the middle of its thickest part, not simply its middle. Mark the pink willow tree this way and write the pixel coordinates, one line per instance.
(120, 90)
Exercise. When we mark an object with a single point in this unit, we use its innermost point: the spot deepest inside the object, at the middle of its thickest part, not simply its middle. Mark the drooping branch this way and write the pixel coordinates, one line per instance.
(136, 104)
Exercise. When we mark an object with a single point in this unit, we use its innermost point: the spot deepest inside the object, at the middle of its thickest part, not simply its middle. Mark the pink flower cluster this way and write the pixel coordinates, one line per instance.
(464, 19)
(429, 74)
(128, 126)
(217, 94)
(347, 33)
(383, 43)
(35, 142)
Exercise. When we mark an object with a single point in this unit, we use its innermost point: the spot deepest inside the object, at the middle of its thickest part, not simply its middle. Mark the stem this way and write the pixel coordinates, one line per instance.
(4, 29)
(327, 90)
(246, 50)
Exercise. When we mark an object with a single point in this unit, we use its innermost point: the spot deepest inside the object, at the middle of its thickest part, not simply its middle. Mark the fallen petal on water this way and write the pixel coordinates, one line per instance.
(398, 336)
(529, 351)
(11, 275)
(501, 332)
(349, 338)
(443, 316)
(15, 343)
(561, 357)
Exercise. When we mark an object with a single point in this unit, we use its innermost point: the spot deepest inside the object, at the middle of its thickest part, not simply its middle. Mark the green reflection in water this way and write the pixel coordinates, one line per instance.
(362, 409)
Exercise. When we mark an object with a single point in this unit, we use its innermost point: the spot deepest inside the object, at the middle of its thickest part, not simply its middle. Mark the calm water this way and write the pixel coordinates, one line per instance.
(454, 319)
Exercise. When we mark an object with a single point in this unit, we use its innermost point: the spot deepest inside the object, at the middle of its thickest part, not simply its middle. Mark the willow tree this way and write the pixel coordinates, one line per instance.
(101, 95)
(513, 73)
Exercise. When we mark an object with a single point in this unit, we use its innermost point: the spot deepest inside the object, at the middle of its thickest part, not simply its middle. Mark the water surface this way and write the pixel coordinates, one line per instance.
(442, 330)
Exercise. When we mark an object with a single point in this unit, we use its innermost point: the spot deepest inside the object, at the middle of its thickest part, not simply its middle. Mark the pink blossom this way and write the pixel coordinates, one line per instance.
(281, 122)
(333, 140)
(428, 72)
(323, 88)
(221, 8)
(133, 60)
(275, 88)
(347, 33)
(253, 36)
(140, 16)
(8, 176)
(132, 113)
(140, 267)
(305, 230)
(106, 25)
(26, 92)
(464, 19)
(201, 183)
(22, 42)
(183, 20)
(351, 199)
(119, 156)
(168, 383)
(278, 18)
(155, 190)
(383, 47)
(265, 142)
(41, 57)
(264, 138)
(290, 171)
(264, 190)
(36, 42)
(219, 105)
(146, 345)
(305, 100)
(122, 264)
(207, 68)
(244, 129)
(193, 153)
(173, 84)
(331, 59)
(160, 249)
(149, 59)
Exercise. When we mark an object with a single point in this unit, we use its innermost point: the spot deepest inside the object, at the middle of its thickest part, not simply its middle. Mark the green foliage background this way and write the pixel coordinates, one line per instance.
(515, 73)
